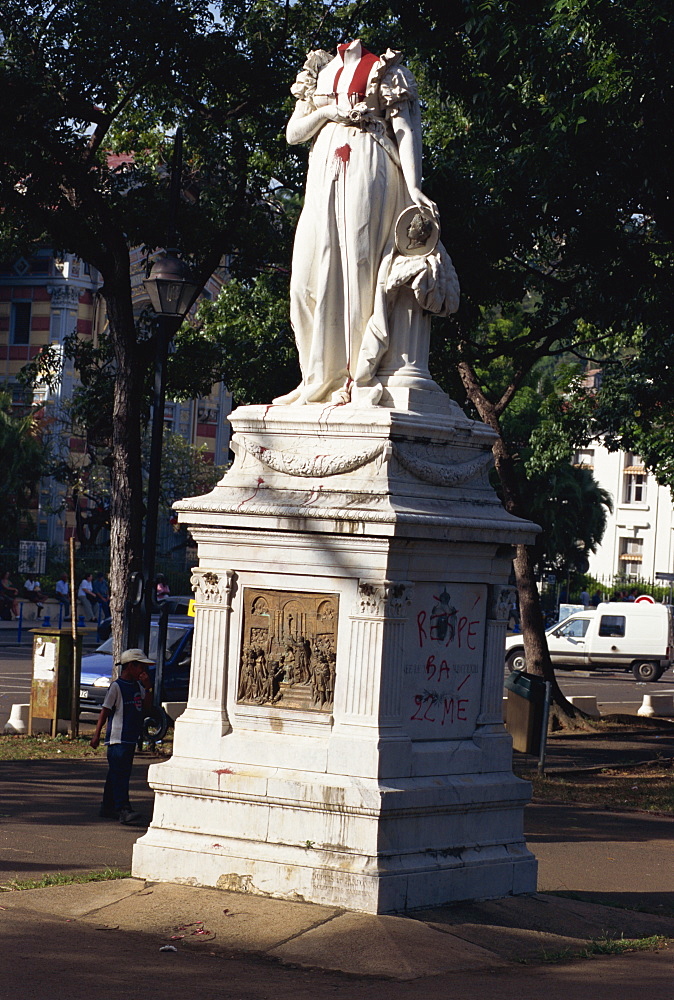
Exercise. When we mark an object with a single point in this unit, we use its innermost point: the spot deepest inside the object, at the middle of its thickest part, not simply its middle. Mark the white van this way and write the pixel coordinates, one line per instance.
(637, 637)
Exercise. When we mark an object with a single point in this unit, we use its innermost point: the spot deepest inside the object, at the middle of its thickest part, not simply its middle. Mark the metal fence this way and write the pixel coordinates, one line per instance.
(175, 565)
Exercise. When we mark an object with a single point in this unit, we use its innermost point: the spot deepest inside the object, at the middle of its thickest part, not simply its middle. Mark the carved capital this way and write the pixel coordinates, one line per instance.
(383, 600)
(212, 588)
(64, 296)
(501, 600)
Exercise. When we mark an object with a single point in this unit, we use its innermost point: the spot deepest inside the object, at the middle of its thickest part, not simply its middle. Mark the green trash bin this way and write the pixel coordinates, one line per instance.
(525, 710)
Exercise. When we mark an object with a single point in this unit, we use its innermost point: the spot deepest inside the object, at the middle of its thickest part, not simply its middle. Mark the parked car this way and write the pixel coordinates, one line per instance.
(96, 674)
(176, 605)
(637, 637)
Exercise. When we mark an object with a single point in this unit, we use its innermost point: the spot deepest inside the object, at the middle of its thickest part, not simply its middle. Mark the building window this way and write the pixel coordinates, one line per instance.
(584, 458)
(20, 323)
(631, 556)
(21, 396)
(634, 489)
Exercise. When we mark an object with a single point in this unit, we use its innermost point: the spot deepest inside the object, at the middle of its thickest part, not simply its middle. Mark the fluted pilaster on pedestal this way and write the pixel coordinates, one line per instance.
(373, 686)
(213, 608)
(491, 705)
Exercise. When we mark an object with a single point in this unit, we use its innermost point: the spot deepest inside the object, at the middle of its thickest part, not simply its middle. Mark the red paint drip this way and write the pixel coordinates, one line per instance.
(224, 770)
(323, 415)
(253, 495)
(343, 153)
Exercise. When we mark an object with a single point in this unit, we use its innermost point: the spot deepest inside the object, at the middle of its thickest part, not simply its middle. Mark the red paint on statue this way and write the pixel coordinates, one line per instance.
(343, 153)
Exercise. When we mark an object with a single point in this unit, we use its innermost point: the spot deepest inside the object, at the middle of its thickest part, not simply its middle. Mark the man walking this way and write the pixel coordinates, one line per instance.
(124, 707)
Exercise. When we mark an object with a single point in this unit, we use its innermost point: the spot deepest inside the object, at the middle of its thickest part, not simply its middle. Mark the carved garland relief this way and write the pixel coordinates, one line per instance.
(320, 466)
(288, 649)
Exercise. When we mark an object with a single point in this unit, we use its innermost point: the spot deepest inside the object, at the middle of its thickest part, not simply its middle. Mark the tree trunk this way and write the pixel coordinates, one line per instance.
(562, 712)
(126, 516)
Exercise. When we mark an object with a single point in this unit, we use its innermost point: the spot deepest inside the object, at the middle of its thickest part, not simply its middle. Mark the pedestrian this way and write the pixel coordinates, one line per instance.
(162, 589)
(102, 592)
(87, 598)
(585, 598)
(124, 707)
(33, 592)
(595, 599)
(63, 592)
(8, 596)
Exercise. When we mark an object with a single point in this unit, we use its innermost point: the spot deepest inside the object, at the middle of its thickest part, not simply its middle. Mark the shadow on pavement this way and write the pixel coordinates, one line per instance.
(550, 823)
(641, 902)
(89, 961)
(49, 818)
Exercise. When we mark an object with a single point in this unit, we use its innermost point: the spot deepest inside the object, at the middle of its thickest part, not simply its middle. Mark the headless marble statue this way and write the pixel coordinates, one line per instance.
(360, 307)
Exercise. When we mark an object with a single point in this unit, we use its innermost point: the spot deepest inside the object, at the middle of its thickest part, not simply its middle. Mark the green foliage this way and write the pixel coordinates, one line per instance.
(549, 154)
(23, 458)
(548, 150)
(571, 509)
(185, 471)
(246, 337)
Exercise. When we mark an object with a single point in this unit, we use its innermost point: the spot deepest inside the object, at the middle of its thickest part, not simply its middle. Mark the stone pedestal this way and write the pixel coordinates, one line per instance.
(343, 739)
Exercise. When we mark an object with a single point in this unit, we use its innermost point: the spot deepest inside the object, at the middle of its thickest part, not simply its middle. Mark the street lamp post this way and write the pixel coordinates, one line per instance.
(172, 290)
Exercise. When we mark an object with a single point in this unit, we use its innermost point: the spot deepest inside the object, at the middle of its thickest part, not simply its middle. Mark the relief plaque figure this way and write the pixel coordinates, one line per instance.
(288, 649)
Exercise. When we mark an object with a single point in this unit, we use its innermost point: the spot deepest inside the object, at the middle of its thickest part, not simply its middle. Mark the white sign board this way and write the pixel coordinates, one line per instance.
(44, 660)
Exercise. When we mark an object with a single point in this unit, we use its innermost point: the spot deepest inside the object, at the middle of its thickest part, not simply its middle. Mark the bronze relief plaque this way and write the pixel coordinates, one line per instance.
(288, 649)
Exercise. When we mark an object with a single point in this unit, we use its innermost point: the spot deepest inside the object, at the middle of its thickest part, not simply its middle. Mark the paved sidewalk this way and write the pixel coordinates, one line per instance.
(104, 939)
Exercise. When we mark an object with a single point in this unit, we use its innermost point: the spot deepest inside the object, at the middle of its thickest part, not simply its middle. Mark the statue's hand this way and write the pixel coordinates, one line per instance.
(332, 113)
(422, 201)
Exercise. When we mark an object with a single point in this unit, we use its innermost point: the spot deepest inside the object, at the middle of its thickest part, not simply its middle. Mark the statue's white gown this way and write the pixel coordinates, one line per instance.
(344, 246)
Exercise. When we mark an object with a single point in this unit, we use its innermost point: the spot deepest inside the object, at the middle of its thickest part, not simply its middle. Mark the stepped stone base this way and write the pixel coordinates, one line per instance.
(363, 552)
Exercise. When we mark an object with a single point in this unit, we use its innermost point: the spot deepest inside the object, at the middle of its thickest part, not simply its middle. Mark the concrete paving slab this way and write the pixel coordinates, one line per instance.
(236, 921)
(549, 914)
(533, 928)
(395, 947)
(43, 957)
(73, 900)
(517, 944)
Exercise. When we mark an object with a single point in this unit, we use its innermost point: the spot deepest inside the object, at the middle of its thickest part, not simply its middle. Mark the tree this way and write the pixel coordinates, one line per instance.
(542, 430)
(24, 459)
(186, 472)
(547, 130)
(243, 338)
(84, 79)
(550, 159)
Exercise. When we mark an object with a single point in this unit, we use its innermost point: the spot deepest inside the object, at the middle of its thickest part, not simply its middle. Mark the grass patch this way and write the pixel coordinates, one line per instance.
(606, 946)
(14, 747)
(60, 747)
(648, 787)
(59, 878)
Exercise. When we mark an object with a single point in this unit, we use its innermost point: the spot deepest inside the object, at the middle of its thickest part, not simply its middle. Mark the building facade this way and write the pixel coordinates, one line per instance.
(639, 538)
(45, 298)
